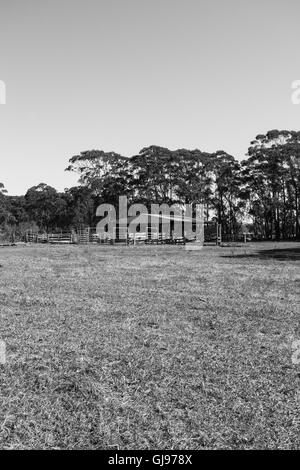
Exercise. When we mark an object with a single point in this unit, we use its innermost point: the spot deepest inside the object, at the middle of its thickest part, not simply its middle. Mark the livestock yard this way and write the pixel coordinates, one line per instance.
(113, 347)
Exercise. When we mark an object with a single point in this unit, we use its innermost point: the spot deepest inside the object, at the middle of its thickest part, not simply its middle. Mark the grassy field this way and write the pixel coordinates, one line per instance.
(150, 347)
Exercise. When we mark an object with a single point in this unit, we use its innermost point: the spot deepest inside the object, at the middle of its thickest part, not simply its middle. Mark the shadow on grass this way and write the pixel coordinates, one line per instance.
(284, 254)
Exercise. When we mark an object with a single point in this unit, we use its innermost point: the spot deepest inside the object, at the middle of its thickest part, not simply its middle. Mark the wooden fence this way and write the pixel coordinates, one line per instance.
(89, 235)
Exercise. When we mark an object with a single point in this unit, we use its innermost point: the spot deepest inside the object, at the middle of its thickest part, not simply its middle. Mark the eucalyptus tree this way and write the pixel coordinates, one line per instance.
(272, 175)
(228, 199)
(106, 174)
(45, 206)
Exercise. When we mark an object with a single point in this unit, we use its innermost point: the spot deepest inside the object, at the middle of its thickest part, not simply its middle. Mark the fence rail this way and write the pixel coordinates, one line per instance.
(88, 235)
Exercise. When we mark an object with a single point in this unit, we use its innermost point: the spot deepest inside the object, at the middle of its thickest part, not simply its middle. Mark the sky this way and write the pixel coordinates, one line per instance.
(120, 75)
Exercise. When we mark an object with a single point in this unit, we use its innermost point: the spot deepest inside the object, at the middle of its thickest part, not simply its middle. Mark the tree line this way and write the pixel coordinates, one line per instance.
(262, 192)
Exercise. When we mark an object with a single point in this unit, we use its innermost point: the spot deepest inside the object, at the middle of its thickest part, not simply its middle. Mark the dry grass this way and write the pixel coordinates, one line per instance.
(149, 347)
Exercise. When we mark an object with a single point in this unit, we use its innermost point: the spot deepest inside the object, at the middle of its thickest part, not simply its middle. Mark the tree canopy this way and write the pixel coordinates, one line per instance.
(263, 190)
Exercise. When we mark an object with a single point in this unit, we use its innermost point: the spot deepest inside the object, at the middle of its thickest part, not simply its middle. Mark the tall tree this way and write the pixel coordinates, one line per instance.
(272, 176)
(106, 174)
(226, 188)
(45, 206)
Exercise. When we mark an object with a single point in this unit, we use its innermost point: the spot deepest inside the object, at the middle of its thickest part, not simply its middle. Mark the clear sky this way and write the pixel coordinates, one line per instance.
(124, 74)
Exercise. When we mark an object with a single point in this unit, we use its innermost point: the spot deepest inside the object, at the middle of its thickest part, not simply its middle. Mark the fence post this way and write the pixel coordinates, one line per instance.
(219, 234)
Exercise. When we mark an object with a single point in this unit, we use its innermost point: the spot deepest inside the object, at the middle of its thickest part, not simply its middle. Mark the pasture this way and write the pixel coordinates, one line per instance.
(150, 347)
